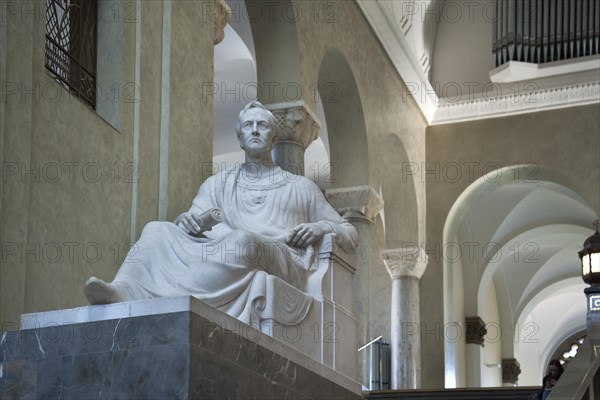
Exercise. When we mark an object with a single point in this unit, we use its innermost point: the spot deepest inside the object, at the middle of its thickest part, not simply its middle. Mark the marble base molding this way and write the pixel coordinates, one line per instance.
(161, 348)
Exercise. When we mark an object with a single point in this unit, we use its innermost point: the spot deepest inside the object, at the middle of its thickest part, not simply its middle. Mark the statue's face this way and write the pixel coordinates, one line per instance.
(256, 136)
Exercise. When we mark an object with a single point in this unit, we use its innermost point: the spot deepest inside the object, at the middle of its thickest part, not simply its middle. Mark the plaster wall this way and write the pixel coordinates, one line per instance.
(66, 208)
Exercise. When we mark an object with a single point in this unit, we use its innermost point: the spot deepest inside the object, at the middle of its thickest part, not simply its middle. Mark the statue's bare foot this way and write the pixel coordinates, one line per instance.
(99, 292)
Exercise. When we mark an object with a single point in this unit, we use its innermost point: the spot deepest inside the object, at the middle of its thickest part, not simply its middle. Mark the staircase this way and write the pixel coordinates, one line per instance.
(580, 381)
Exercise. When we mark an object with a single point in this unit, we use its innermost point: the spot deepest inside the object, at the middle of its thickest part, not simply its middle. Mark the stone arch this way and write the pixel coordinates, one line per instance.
(527, 209)
(569, 307)
(349, 150)
(276, 50)
(564, 343)
(259, 59)
(397, 188)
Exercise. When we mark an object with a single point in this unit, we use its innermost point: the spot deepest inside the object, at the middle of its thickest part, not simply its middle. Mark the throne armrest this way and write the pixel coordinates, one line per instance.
(335, 268)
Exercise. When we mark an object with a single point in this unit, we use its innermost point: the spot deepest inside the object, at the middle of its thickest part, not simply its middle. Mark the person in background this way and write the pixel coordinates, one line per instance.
(555, 370)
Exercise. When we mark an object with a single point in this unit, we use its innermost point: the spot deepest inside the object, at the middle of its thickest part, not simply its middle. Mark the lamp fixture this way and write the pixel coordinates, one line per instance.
(590, 258)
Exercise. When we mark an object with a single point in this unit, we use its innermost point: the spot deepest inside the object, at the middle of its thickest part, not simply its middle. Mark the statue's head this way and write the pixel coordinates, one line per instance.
(252, 105)
(256, 120)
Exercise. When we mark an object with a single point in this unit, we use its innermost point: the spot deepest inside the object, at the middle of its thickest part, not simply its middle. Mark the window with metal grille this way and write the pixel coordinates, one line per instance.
(71, 46)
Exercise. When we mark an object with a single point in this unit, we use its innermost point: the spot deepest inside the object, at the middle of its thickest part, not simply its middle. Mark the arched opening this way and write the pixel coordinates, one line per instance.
(251, 63)
(345, 122)
(398, 188)
(509, 237)
(233, 87)
(554, 314)
(277, 52)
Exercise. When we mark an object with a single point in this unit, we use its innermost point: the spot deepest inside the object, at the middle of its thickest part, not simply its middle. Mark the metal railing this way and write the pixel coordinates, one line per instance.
(581, 379)
(380, 363)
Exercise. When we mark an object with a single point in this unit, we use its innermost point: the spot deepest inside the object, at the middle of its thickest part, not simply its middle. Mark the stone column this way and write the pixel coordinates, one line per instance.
(297, 127)
(360, 205)
(406, 266)
(475, 333)
(511, 369)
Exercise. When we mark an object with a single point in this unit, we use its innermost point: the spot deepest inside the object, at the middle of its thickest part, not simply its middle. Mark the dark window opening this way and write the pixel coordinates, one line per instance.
(71, 46)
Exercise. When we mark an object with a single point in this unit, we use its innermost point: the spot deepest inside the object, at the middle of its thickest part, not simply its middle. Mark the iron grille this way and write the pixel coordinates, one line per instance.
(71, 45)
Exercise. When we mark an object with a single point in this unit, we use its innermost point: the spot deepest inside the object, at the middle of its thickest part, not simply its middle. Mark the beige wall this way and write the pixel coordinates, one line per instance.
(63, 223)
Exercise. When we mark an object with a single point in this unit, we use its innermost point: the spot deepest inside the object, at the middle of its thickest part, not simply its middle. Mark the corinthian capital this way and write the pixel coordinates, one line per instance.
(511, 369)
(407, 261)
(295, 122)
(360, 202)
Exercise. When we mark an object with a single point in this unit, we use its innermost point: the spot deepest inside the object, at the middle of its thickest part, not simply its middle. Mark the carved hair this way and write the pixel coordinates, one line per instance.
(256, 104)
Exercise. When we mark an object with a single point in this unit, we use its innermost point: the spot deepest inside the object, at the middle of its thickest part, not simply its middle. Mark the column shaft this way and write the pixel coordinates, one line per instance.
(406, 337)
(361, 287)
(406, 266)
(297, 127)
(360, 205)
(289, 156)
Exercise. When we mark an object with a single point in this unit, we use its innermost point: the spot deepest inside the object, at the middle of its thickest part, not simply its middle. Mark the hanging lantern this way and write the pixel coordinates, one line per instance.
(590, 258)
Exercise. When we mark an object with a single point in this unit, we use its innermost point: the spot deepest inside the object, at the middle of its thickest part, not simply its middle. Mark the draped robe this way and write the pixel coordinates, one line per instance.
(229, 266)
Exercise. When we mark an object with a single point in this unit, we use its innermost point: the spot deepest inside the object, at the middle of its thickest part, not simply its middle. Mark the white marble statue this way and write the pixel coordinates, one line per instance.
(272, 222)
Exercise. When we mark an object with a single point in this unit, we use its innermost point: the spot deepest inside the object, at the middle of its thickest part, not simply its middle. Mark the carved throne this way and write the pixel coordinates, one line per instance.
(328, 334)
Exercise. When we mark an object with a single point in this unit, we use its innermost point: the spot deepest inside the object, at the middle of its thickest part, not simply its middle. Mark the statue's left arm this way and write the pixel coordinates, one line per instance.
(204, 200)
(325, 216)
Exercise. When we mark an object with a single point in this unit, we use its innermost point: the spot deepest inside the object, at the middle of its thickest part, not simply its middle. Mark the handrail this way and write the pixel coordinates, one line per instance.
(487, 393)
(578, 377)
(379, 371)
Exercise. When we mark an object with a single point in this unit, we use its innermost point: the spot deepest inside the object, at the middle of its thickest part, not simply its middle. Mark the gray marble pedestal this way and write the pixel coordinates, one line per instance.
(169, 348)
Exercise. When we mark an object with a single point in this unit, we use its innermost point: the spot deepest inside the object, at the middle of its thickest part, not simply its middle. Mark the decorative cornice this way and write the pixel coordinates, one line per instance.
(295, 122)
(400, 32)
(476, 330)
(545, 99)
(222, 15)
(408, 261)
(361, 202)
(511, 369)
(407, 63)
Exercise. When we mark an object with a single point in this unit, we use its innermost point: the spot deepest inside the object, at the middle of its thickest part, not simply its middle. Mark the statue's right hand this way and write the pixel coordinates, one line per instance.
(188, 224)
